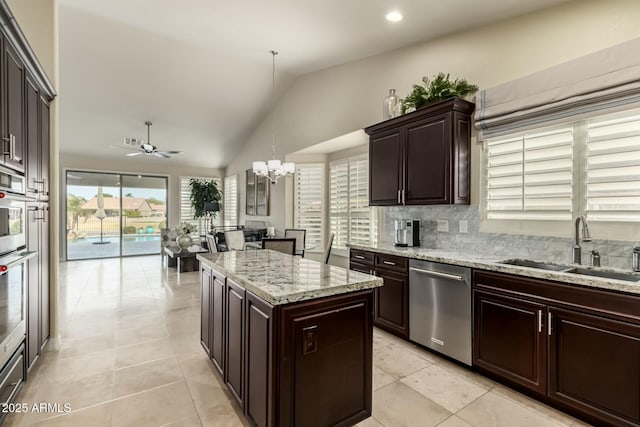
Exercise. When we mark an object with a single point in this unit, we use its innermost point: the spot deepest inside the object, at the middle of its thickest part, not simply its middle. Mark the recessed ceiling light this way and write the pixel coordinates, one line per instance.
(394, 16)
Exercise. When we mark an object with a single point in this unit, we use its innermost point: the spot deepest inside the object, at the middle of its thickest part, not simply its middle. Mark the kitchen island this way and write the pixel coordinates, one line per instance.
(291, 338)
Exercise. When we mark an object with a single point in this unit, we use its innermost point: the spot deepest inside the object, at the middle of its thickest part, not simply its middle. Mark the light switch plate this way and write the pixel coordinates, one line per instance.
(443, 225)
(463, 226)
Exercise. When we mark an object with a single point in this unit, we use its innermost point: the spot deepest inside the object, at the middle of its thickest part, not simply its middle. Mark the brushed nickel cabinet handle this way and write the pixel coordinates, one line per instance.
(388, 262)
(539, 321)
(549, 324)
(358, 256)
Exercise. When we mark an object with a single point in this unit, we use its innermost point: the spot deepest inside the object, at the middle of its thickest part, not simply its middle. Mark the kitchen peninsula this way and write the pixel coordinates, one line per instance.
(291, 337)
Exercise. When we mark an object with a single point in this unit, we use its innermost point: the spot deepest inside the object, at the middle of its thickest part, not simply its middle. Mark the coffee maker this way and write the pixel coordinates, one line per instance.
(407, 232)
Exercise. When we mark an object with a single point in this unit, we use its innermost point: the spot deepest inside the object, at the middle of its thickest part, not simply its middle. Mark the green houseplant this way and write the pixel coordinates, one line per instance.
(203, 191)
(439, 88)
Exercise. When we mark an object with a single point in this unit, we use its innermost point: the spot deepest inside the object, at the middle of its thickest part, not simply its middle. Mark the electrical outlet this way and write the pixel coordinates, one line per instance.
(443, 225)
(463, 226)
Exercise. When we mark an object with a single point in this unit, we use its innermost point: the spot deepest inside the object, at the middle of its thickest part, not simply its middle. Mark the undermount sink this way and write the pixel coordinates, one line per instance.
(534, 264)
(629, 277)
(584, 271)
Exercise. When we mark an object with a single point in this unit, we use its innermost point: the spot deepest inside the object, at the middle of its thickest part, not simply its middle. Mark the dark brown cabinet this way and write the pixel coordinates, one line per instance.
(575, 348)
(234, 360)
(216, 313)
(391, 301)
(37, 143)
(260, 368)
(510, 340)
(273, 354)
(37, 280)
(13, 83)
(422, 158)
(206, 281)
(594, 365)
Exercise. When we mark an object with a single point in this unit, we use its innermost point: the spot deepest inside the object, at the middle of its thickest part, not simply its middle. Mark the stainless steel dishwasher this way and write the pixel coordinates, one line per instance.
(440, 308)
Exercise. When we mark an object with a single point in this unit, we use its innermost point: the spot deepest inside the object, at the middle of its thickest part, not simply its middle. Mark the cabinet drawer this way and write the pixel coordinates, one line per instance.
(391, 262)
(361, 257)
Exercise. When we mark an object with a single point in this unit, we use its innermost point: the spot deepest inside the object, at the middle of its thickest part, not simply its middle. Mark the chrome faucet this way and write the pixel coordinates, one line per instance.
(586, 237)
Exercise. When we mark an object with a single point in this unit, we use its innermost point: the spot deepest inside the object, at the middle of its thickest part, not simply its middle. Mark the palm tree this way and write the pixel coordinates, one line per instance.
(74, 208)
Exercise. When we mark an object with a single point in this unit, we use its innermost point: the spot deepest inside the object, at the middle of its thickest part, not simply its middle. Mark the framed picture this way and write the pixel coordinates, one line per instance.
(257, 194)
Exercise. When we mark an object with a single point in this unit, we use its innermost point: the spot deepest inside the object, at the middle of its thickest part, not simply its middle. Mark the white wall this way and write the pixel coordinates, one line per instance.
(332, 102)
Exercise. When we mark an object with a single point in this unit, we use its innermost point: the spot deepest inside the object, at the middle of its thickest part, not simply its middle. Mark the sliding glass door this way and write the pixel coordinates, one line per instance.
(111, 215)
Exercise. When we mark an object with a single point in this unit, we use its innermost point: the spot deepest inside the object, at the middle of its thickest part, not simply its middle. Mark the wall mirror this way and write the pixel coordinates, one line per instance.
(257, 194)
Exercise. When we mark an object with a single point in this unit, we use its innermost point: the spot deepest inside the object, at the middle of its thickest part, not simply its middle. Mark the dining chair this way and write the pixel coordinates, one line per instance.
(286, 245)
(300, 236)
(327, 250)
(234, 240)
(211, 243)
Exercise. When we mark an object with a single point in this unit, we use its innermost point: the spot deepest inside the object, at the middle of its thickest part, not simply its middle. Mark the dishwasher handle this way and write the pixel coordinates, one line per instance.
(437, 274)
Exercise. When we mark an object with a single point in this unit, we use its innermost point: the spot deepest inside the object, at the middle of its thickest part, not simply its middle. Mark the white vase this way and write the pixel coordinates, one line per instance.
(184, 241)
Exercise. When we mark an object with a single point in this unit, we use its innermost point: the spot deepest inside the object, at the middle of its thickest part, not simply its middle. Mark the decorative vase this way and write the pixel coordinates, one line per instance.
(184, 241)
(390, 105)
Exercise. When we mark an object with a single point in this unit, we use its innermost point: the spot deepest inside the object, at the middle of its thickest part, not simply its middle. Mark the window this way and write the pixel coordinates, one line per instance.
(230, 206)
(590, 166)
(351, 218)
(613, 168)
(529, 176)
(309, 203)
(186, 212)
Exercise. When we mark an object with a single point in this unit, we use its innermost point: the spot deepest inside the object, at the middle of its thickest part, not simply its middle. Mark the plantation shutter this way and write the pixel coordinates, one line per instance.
(351, 218)
(339, 203)
(362, 229)
(308, 203)
(613, 168)
(529, 177)
(230, 206)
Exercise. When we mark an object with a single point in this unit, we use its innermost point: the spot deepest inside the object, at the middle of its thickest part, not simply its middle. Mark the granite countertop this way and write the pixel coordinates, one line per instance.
(490, 262)
(281, 279)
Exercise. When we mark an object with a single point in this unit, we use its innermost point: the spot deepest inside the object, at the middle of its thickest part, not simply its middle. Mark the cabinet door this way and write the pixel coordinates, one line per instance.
(45, 140)
(205, 309)
(428, 161)
(259, 368)
(217, 323)
(510, 339)
(33, 286)
(14, 110)
(391, 305)
(44, 275)
(385, 168)
(594, 366)
(33, 139)
(234, 361)
(362, 268)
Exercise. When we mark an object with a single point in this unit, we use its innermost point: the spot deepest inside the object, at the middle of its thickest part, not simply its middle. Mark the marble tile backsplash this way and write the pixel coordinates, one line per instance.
(614, 253)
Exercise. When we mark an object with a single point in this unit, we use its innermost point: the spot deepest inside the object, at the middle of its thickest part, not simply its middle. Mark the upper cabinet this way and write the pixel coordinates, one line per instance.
(422, 158)
(13, 135)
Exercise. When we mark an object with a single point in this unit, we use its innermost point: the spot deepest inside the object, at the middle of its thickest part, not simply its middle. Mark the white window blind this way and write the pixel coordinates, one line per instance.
(230, 207)
(613, 168)
(529, 177)
(309, 203)
(351, 218)
(186, 212)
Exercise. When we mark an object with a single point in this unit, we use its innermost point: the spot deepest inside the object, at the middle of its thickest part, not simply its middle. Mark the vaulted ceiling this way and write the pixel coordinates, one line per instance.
(200, 70)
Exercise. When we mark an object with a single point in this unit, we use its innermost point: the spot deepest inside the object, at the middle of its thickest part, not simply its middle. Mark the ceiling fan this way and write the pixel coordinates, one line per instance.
(140, 146)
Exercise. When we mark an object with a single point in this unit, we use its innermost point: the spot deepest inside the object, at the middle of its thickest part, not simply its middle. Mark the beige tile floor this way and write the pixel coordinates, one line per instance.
(129, 355)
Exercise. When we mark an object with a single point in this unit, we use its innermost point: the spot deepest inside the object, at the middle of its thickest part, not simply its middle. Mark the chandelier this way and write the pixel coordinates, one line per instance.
(273, 169)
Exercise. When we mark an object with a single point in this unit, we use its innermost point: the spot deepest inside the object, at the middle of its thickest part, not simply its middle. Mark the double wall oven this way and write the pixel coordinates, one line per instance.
(13, 289)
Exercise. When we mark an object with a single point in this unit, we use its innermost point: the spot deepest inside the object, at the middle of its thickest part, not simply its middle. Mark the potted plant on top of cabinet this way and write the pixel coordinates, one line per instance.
(423, 157)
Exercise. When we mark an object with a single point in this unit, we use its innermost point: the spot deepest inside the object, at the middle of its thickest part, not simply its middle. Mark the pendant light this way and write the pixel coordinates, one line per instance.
(273, 169)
